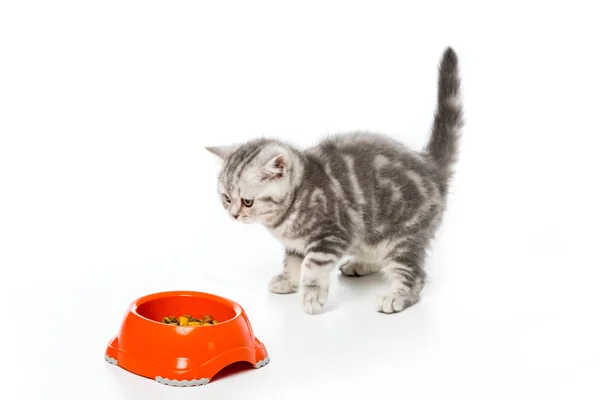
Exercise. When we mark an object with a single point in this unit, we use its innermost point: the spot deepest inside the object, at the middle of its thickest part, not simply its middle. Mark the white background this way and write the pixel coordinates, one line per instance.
(107, 193)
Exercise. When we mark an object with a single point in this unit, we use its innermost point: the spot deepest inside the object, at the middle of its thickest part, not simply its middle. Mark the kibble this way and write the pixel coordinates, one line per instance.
(188, 320)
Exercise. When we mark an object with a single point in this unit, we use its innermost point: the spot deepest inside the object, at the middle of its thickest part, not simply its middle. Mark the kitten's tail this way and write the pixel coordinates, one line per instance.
(448, 121)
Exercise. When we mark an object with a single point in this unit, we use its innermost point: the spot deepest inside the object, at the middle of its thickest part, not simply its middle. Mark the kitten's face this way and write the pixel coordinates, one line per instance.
(253, 183)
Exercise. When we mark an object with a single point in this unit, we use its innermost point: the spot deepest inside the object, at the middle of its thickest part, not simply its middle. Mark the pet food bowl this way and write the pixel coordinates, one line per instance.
(184, 355)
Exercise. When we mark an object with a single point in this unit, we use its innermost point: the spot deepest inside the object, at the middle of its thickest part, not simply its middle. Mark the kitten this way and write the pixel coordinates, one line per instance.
(360, 195)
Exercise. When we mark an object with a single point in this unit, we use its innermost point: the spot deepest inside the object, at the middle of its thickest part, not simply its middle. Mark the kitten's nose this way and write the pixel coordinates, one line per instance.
(234, 212)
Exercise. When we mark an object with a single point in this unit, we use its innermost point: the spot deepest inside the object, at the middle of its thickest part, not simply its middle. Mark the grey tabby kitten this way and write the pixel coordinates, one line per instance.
(361, 201)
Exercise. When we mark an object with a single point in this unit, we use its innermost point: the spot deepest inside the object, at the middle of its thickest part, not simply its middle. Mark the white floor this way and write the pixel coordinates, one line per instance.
(108, 195)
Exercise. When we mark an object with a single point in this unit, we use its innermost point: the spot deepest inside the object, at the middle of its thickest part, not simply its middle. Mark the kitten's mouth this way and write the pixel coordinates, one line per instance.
(245, 220)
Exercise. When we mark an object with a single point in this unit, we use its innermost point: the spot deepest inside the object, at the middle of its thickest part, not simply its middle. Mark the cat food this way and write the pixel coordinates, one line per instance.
(188, 320)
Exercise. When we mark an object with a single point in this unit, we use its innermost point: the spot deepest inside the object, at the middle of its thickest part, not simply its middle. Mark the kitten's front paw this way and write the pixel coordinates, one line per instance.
(281, 284)
(314, 298)
(392, 303)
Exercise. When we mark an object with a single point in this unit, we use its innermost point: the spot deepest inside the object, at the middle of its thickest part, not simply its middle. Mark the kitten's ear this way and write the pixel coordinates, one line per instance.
(273, 169)
(223, 152)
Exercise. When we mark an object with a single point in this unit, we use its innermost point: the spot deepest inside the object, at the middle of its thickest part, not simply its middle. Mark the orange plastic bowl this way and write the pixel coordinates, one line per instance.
(184, 355)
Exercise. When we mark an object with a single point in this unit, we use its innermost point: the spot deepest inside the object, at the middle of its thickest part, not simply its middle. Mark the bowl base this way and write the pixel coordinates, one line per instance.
(183, 383)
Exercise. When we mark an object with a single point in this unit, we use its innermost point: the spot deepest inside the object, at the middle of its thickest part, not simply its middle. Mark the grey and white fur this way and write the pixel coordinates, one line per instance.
(361, 197)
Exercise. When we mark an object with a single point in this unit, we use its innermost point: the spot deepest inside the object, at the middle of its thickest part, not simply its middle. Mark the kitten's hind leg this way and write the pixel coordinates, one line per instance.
(354, 268)
(287, 281)
(403, 268)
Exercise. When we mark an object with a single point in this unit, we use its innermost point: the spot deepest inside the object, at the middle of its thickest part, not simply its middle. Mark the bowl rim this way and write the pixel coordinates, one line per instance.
(133, 308)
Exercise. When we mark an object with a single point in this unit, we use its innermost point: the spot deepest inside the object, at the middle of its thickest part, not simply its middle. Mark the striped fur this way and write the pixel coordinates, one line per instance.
(360, 195)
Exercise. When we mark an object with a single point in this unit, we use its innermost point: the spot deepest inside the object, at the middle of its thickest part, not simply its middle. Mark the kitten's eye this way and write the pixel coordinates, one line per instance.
(227, 199)
(247, 202)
